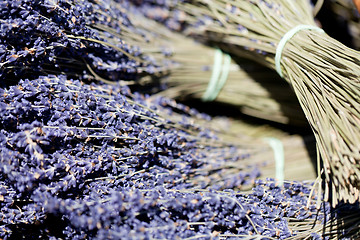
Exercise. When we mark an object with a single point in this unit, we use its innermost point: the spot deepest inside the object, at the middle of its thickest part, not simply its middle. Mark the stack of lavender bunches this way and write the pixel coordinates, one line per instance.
(81, 159)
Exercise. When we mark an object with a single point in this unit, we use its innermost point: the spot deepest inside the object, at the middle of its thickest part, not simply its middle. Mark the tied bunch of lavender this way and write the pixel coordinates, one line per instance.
(83, 39)
(323, 72)
(253, 89)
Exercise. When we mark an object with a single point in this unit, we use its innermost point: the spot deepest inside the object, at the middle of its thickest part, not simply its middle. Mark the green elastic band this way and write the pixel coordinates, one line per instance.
(285, 39)
(219, 75)
(278, 149)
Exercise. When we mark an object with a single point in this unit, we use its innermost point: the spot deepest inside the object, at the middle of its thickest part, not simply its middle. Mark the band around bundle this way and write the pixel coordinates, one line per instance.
(287, 36)
(279, 156)
(219, 75)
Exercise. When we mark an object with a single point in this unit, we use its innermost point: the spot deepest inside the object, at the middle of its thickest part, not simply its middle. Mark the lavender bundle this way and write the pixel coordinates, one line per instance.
(254, 89)
(82, 39)
(323, 72)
